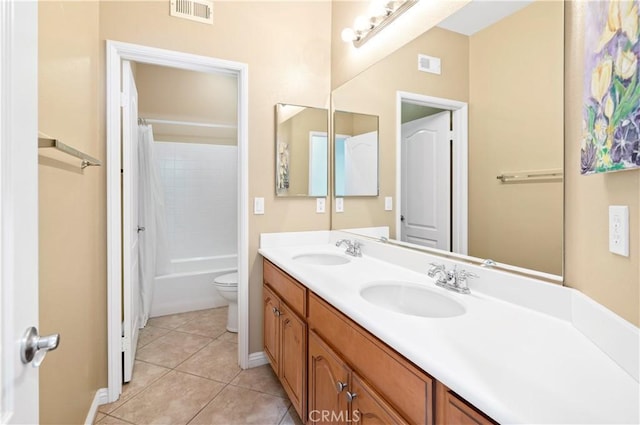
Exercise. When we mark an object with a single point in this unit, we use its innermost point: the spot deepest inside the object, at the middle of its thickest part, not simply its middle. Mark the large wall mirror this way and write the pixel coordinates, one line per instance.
(472, 155)
(355, 154)
(302, 151)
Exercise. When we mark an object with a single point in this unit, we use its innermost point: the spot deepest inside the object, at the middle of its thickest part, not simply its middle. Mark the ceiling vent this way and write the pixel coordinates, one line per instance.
(195, 10)
(429, 64)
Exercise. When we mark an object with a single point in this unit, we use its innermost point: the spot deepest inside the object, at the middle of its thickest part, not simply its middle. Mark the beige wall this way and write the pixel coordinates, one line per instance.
(73, 275)
(181, 95)
(374, 93)
(516, 124)
(610, 279)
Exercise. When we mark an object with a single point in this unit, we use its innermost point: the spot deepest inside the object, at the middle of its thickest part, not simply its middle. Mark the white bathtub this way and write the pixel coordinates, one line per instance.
(190, 286)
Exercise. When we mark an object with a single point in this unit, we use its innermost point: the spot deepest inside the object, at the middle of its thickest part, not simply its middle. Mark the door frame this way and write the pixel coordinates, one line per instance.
(116, 52)
(460, 184)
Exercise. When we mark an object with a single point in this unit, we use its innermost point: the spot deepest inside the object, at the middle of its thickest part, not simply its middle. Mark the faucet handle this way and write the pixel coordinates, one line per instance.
(464, 274)
(435, 267)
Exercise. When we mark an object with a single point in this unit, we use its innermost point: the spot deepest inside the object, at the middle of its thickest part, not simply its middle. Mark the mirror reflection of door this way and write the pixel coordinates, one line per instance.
(426, 180)
(318, 164)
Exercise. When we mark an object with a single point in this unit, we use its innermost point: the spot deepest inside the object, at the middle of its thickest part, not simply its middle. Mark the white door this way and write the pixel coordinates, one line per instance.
(18, 206)
(426, 181)
(361, 164)
(130, 246)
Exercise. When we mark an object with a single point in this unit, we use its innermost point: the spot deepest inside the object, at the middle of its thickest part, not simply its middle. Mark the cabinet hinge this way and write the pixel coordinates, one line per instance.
(124, 343)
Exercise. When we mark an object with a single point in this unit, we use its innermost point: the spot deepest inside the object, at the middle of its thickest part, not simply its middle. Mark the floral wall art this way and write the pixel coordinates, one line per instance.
(611, 112)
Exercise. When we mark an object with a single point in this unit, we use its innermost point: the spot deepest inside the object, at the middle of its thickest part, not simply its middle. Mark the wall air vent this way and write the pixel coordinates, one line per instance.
(429, 64)
(195, 10)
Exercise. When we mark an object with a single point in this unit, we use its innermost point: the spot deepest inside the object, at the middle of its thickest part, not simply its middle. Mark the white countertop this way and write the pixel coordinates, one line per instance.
(515, 364)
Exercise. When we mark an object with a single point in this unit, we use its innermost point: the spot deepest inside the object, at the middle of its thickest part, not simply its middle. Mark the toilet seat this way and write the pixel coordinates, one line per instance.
(229, 279)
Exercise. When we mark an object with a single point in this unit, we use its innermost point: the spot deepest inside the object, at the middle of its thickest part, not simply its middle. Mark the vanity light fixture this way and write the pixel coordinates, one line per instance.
(382, 14)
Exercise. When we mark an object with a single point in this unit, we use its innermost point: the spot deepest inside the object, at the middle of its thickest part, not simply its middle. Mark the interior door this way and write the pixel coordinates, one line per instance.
(130, 246)
(426, 181)
(18, 207)
(361, 164)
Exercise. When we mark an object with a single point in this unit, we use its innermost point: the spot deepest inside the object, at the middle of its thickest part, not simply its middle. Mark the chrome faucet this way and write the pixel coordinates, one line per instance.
(353, 247)
(454, 280)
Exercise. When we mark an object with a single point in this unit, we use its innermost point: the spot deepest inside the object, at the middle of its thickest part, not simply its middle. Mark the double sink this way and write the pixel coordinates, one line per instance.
(403, 297)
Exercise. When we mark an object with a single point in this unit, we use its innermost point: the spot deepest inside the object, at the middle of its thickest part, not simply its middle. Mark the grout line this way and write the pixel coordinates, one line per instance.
(120, 419)
(258, 391)
(207, 404)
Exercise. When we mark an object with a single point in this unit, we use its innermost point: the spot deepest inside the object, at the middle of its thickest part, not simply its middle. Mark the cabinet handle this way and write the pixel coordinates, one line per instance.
(351, 396)
(340, 386)
(275, 311)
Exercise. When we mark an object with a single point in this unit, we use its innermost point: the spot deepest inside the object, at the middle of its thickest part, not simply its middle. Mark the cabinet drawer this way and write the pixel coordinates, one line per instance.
(407, 389)
(289, 291)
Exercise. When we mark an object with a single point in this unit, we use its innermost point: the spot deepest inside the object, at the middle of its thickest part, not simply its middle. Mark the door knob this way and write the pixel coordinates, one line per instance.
(402, 218)
(34, 347)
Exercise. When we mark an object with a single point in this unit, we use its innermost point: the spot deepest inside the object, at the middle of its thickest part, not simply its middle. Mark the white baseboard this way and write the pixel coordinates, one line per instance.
(257, 359)
(101, 397)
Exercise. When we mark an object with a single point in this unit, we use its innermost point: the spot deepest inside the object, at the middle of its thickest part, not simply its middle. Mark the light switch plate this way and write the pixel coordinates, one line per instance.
(339, 205)
(619, 229)
(388, 203)
(320, 205)
(258, 206)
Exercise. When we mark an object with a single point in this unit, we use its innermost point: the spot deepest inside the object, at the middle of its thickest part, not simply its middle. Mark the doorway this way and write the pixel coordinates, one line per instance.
(439, 136)
(118, 54)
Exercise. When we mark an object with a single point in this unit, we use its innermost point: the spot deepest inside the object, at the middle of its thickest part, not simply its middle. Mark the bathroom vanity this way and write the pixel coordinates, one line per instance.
(521, 351)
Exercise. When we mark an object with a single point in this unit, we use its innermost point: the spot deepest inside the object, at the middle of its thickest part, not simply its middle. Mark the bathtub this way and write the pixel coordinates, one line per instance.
(190, 286)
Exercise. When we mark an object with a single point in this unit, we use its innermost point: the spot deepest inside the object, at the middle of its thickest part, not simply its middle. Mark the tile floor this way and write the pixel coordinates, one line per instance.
(186, 372)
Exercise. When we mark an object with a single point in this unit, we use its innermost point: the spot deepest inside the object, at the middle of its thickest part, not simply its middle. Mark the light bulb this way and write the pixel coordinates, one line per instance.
(362, 24)
(348, 35)
(378, 8)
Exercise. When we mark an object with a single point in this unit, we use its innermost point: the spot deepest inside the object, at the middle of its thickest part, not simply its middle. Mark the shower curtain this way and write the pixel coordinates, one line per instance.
(153, 242)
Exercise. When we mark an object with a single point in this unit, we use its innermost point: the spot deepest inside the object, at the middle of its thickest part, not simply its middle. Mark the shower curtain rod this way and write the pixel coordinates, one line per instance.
(186, 123)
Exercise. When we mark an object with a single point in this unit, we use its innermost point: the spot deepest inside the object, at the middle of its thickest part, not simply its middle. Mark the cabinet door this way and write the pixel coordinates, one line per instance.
(451, 409)
(367, 407)
(293, 356)
(328, 380)
(271, 305)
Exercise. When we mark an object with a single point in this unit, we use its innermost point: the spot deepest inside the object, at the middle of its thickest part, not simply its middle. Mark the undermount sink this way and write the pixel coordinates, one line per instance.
(321, 259)
(410, 299)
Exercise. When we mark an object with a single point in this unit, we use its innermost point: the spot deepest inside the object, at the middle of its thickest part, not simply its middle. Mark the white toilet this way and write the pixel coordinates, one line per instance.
(227, 285)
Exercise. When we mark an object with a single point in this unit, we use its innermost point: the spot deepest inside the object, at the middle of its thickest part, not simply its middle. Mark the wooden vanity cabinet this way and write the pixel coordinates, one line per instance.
(285, 333)
(336, 372)
(337, 395)
(402, 386)
(451, 409)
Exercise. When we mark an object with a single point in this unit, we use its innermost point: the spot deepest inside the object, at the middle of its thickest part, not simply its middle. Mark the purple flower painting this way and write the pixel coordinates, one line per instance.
(611, 140)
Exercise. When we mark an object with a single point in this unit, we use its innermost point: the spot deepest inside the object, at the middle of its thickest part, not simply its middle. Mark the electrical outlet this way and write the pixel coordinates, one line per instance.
(339, 205)
(388, 203)
(619, 229)
(258, 206)
(320, 204)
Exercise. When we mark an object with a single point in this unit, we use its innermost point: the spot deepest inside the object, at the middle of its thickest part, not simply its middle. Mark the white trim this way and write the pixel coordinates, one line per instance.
(101, 397)
(116, 52)
(460, 162)
(258, 359)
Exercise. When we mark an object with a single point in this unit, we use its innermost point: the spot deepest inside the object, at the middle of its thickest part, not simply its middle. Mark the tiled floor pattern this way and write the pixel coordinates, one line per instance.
(186, 372)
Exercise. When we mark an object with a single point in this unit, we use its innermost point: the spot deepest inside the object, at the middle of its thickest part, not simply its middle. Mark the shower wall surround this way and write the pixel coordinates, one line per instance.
(200, 189)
